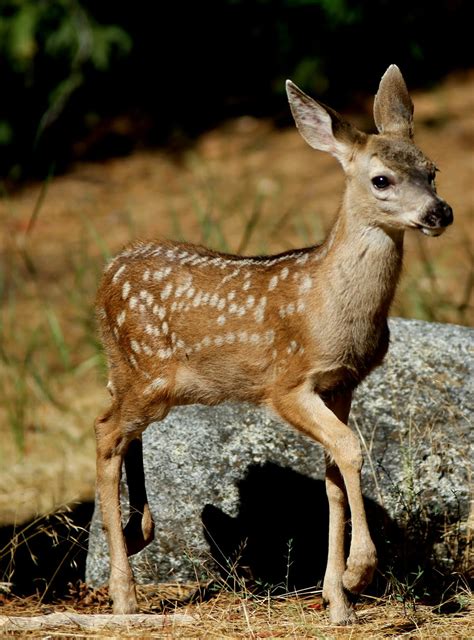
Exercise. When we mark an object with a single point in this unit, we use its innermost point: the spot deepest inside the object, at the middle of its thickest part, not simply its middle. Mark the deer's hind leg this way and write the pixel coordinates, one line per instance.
(115, 431)
(140, 527)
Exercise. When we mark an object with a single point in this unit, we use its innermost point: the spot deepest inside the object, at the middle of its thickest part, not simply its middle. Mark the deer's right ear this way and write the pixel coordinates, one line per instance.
(393, 108)
(321, 127)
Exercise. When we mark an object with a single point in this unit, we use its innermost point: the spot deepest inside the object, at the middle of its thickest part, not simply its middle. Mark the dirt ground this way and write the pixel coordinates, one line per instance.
(244, 186)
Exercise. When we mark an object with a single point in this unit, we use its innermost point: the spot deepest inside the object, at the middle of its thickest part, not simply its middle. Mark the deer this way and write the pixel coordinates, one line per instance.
(294, 332)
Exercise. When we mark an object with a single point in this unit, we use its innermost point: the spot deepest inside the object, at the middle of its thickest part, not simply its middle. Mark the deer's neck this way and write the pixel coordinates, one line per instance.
(363, 265)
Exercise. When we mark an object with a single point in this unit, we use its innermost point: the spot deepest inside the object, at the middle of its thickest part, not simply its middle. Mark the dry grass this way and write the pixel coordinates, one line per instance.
(230, 616)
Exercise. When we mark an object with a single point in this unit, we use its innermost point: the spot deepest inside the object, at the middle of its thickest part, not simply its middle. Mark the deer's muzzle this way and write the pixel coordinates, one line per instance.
(436, 219)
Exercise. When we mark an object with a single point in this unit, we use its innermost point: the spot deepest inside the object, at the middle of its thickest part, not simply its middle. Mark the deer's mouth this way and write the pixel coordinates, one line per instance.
(430, 231)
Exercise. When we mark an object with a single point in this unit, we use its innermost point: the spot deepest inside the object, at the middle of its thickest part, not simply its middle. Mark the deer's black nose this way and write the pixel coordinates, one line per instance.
(445, 213)
(440, 215)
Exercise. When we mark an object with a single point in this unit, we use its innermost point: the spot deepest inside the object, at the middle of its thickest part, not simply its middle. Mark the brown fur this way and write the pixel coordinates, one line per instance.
(295, 332)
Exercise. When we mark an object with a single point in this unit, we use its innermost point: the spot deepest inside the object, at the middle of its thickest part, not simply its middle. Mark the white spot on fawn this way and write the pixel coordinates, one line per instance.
(149, 330)
(159, 311)
(197, 299)
(125, 290)
(302, 259)
(198, 260)
(184, 286)
(270, 336)
(118, 273)
(135, 346)
(155, 385)
(165, 328)
(259, 312)
(133, 302)
(147, 297)
(160, 274)
(228, 277)
(146, 275)
(221, 320)
(273, 283)
(121, 318)
(284, 273)
(305, 284)
(165, 294)
(292, 347)
(146, 349)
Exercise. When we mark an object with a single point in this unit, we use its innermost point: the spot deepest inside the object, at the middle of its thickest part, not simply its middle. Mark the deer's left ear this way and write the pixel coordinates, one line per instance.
(393, 108)
(322, 127)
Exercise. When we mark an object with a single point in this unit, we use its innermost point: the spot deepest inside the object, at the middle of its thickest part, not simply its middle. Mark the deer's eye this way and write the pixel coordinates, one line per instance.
(381, 182)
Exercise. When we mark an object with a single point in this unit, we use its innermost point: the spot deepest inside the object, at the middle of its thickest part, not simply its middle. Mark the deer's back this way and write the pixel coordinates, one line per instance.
(200, 326)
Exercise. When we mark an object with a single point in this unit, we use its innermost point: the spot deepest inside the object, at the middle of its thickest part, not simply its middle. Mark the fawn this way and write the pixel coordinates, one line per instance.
(295, 332)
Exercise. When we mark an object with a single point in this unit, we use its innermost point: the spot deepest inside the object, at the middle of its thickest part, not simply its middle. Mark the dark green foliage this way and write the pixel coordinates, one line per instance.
(68, 65)
(49, 52)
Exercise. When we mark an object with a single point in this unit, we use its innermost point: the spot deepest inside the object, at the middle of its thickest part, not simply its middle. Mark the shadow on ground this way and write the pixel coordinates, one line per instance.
(279, 540)
(45, 555)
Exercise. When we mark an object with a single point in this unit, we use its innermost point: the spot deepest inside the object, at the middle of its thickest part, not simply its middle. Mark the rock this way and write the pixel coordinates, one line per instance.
(231, 481)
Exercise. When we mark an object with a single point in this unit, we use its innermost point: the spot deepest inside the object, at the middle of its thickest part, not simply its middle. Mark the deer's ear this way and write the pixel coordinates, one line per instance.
(393, 108)
(321, 127)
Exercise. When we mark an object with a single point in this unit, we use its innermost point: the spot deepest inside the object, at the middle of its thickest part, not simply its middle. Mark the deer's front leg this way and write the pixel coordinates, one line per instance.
(362, 560)
(307, 412)
(110, 451)
(359, 569)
